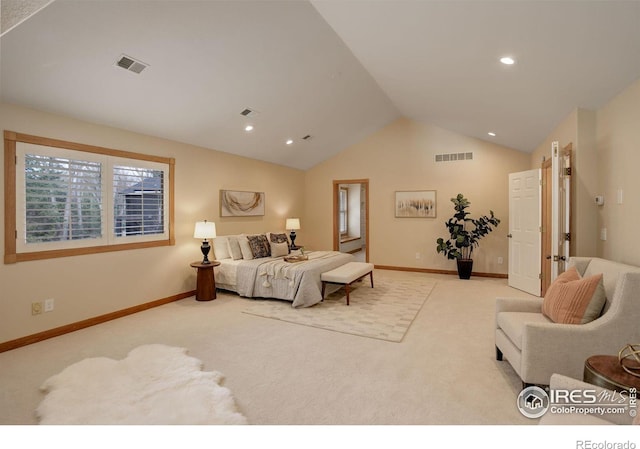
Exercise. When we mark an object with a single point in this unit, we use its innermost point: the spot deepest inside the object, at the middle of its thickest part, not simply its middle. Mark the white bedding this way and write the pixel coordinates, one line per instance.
(274, 278)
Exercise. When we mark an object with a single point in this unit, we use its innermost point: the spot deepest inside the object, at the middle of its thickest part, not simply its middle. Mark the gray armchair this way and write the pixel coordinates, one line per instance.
(536, 347)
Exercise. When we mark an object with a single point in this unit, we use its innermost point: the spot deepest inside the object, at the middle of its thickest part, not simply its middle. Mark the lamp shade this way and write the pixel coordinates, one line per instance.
(293, 223)
(205, 230)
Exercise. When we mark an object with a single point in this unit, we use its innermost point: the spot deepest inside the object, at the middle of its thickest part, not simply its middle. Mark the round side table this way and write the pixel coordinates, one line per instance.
(605, 371)
(206, 282)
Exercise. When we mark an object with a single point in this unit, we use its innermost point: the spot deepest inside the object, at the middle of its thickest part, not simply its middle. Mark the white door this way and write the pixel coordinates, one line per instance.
(560, 207)
(524, 231)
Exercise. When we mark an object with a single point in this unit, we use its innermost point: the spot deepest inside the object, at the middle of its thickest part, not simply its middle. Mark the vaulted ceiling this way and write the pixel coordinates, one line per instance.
(335, 71)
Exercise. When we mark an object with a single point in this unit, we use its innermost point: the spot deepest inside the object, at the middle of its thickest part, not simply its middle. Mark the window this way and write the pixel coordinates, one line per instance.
(66, 199)
(344, 211)
(139, 200)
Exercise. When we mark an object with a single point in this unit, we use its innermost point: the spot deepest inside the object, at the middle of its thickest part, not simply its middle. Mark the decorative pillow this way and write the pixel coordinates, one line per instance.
(279, 249)
(278, 238)
(259, 246)
(574, 300)
(220, 248)
(245, 248)
(234, 248)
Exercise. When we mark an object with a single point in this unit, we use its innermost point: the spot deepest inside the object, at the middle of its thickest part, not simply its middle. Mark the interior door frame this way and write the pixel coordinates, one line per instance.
(561, 187)
(336, 212)
(546, 253)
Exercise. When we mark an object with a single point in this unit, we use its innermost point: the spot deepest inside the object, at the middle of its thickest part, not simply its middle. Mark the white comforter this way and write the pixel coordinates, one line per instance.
(298, 282)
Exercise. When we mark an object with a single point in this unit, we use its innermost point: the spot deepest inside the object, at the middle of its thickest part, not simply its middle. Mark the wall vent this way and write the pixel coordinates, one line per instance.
(452, 157)
(131, 64)
(248, 112)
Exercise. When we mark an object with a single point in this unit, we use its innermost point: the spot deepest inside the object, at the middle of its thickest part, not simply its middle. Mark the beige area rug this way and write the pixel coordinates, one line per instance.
(384, 312)
(154, 384)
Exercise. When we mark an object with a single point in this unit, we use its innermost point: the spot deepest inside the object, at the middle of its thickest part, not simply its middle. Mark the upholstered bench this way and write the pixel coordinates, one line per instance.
(346, 275)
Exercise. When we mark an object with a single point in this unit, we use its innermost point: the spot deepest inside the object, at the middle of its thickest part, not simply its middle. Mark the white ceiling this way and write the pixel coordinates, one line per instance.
(335, 70)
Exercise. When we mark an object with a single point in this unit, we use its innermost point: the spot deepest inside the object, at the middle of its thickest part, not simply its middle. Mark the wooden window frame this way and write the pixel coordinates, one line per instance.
(11, 254)
(346, 211)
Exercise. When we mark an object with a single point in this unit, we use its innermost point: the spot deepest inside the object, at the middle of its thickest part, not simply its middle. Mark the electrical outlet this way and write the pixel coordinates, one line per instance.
(417, 255)
(36, 308)
(500, 261)
(48, 305)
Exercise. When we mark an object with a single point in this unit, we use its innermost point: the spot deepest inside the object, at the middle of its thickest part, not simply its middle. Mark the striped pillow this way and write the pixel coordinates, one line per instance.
(572, 299)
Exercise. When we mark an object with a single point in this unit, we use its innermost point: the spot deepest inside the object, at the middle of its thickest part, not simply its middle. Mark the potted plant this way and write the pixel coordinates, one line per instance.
(465, 234)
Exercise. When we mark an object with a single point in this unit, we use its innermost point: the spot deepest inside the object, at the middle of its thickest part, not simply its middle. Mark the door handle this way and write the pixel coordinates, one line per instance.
(509, 236)
(548, 257)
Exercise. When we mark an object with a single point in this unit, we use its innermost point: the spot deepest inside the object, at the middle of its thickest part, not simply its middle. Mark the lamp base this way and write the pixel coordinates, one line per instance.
(205, 248)
(292, 236)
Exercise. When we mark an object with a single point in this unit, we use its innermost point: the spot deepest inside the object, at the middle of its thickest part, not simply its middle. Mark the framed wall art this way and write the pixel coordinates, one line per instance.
(235, 203)
(416, 204)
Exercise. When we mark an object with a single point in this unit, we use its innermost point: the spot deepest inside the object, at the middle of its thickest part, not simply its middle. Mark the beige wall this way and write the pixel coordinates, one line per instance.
(618, 144)
(88, 286)
(401, 157)
(579, 130)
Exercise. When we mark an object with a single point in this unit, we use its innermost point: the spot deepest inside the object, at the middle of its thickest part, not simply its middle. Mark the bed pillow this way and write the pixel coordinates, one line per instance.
(234, 248)
(278, 238)
(221, 248)
(279, 249)
(245, 248)
(572, 299)
(259, 246)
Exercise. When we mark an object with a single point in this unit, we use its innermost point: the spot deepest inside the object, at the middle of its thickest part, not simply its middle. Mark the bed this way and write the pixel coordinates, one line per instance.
(272, 276)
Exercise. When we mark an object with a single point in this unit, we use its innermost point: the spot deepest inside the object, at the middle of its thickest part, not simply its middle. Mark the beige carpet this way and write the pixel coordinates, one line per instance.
(384, 312)
(443, 372)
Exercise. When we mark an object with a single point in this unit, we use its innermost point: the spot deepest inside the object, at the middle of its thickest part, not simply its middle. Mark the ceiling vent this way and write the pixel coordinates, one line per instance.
(130, 64)
(307, 137)
(452, 157)
(248, 112)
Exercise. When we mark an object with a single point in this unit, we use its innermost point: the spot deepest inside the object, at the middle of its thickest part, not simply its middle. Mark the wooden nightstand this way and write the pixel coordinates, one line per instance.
(206, 283)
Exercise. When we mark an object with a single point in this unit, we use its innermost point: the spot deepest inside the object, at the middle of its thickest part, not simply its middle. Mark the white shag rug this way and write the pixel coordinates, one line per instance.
(154, 384)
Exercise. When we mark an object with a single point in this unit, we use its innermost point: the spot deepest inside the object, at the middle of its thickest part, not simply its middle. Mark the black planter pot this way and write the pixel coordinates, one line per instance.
(464, 268)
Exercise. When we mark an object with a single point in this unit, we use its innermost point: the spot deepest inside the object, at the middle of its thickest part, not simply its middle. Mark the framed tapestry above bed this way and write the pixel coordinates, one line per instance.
(235, 203)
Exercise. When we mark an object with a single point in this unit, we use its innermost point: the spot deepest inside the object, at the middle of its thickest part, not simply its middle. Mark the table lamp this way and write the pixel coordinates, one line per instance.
(292, 225)
(205, 230)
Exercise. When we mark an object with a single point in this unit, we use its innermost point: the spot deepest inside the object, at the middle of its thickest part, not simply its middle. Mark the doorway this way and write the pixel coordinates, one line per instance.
(556, 213)
(524, 231)
(351, 217)
(547, 250)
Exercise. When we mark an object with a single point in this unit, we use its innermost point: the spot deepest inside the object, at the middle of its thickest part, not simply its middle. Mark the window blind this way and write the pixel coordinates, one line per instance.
(138, 200)
(63, 199)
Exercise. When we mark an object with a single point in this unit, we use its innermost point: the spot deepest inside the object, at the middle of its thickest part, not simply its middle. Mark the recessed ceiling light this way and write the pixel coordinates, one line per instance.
(492, 134)
(289, 142)
(507, 60)
(248, 128)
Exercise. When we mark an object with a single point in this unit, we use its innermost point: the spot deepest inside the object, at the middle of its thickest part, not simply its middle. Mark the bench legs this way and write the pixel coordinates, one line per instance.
(346, 286)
